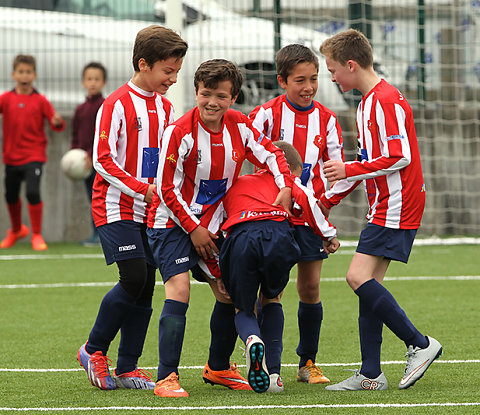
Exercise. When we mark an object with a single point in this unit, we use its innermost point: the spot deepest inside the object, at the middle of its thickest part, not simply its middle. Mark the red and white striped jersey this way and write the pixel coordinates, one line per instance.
(125, 152)
(389, 161)
(314, 132)
(251, 197)
(199, 166)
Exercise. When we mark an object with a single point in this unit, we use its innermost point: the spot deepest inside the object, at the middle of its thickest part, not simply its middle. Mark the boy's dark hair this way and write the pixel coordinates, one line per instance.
(290, 56)
(292, 156)
(27, 59)
(349, 45)
(157, 43)
(213, 71)
(95, 65)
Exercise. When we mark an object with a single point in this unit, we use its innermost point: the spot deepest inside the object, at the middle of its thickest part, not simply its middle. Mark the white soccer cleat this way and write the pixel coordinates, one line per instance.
(276, 383)
(419, 361)
(257, 372)
(358, 382)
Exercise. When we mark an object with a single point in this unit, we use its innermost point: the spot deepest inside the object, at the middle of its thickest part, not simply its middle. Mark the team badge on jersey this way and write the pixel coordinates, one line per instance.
(103, 135)
(320, 142)
(171, 159)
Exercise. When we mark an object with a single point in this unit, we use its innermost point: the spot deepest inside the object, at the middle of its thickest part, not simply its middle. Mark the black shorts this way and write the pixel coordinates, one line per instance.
(394, 244)
(257, 254)
(311, 244)
(125, 239)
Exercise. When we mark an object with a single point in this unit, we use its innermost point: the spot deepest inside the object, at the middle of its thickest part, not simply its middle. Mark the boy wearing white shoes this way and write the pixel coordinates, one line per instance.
(258, 252)
(389, 162)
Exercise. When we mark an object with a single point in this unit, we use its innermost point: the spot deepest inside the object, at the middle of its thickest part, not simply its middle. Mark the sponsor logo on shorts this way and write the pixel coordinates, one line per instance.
(182, 260)
(127, 248)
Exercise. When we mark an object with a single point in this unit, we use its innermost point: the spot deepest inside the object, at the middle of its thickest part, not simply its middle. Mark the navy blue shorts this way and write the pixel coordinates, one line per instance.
(257, 254)
(311, 244)
(394, 244)
(173, 251)
(125, 239)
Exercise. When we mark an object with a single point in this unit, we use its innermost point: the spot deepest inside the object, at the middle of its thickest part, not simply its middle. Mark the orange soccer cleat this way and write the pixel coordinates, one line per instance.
(170, 387)
(231, 378)
(13, 237)
(38, 244)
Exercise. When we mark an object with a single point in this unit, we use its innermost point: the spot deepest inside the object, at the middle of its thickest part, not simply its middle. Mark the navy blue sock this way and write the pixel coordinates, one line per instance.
(310, 318)
(272, 334)
(246, 324)
(223, 336)
(171, 330)
(370, 328)
(113, 309)
(385, 307)
(133, 333)
(259, 312)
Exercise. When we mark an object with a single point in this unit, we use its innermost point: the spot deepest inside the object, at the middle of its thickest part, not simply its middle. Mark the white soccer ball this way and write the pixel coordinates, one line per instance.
(75, 164)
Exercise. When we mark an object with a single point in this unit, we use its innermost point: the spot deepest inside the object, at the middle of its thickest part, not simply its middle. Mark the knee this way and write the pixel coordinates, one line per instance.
(33, 197)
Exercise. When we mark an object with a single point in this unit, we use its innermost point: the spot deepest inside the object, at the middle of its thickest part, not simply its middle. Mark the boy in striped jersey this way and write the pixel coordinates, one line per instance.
(125, 155)
(296, 118)
(389, 162)
(202, 155)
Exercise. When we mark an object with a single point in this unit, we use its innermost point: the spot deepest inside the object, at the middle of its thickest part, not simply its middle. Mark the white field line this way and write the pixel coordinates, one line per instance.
(349, 243)
(193, 282)
(243, 407)
(338, 364)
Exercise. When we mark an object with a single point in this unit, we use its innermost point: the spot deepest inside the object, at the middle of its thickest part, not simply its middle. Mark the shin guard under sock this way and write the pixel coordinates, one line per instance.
(35, 212)
(15, 213)
(133, 333)
(272, 333)
(171, 331)
(370, 328)
(386, 308)
(113, 309)
(223, 336)
(310, 318)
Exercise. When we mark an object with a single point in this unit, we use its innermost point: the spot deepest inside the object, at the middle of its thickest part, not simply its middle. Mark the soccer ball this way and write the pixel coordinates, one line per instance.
(74, 164)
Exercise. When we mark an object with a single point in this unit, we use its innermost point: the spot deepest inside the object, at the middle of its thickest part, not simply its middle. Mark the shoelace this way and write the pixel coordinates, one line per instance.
(233, 367)
(171, 382)
(315, 370)
(410, 353)
(141, 373)
(101, 364)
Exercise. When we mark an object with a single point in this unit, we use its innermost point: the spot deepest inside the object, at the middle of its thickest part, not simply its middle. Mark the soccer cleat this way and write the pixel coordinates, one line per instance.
(257, 373)
(137, 379)
(358, 382)
(13, 237)
(419, 361)
(311, 373)
(276, 383)
(231, 378)
(96, 366)
(170, 387)
(38, 244)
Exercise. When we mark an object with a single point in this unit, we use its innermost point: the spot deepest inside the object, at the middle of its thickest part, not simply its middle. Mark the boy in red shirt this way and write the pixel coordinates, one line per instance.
(258, 252)
(389, 164)
(24, 149)
(94, 78)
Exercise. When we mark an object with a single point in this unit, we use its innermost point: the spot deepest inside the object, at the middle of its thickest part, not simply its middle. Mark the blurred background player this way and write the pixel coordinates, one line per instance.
(389, 162)
(125, 155)
(296, 118)
(202, 155)
(24, 149)
(258, 252)
(94, 78)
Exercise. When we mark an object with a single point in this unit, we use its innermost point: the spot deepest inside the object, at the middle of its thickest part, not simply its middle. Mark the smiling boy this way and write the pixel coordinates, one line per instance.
(202, 155)
(296, 118)
(125, 155)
